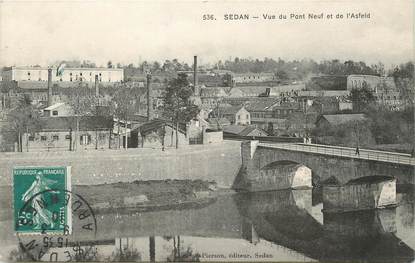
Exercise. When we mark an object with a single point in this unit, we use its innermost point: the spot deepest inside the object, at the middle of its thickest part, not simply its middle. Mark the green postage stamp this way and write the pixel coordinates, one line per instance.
(41, 202)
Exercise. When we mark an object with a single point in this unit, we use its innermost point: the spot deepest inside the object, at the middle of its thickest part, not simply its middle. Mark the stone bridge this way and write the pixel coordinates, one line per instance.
(340, 164)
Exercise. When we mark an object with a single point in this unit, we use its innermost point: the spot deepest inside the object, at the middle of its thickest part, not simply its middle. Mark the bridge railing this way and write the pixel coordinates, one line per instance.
(346, 152)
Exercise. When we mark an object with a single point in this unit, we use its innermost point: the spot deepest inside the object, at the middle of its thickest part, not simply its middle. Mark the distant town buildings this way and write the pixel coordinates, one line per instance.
(68, 74)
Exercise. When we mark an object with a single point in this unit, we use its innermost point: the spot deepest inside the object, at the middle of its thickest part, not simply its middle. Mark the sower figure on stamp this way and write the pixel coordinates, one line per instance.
(42, 215)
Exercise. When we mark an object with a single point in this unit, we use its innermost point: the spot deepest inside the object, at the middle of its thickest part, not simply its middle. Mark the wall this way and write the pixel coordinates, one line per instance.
(212, 137)
(217, 162)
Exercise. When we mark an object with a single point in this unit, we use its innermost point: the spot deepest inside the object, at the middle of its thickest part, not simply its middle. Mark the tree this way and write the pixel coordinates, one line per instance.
(109, 64)
(282, 75)
(123, 107)
(23, 118)
(177, 106)
(82, 103)
(362, 98)
(155, 67)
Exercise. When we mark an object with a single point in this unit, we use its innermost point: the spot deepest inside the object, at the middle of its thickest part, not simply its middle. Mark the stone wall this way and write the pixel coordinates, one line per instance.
(212, 137)
(215, 162)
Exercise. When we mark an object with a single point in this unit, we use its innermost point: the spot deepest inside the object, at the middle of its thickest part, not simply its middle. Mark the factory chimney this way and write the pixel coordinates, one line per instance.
(149, 99)
(194, 72)
(96, 86)
(50, 87)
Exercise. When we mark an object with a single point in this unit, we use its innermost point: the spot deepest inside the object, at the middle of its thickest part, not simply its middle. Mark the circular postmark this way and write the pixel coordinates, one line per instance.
(57, 225)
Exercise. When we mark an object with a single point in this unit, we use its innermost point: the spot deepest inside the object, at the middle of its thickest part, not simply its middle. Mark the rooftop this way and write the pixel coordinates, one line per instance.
(336, 119)
(239, 129)
(86, 123)
(55, 106)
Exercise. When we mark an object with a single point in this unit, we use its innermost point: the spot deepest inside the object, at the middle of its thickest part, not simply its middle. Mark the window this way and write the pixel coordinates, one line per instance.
(247, 116)
(239, 117)
(31, 138)
(55, 137)
(55, 113)
(85, 139)
(43, 138)
(67, 137)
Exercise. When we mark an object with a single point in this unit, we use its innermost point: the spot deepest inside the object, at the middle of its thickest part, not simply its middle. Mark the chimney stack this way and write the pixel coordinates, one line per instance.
(96, 86)
(194, 72)
(50, 87)
(149, 99)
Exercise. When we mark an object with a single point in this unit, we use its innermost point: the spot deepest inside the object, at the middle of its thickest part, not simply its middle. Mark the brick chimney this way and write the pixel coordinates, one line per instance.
(50, 87)
(149, 99)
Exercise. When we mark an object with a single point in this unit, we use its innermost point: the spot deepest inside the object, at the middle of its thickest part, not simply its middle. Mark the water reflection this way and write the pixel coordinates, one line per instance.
(273, 226)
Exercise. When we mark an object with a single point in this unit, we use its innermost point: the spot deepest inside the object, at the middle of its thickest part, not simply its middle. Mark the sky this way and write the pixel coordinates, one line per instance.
(43, 32)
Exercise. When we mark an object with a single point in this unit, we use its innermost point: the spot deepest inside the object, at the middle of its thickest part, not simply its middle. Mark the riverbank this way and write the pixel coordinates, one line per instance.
(137, 196)
(153, 195)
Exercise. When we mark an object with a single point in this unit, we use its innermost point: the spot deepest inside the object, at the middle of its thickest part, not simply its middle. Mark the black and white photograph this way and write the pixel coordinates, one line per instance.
(207, 130)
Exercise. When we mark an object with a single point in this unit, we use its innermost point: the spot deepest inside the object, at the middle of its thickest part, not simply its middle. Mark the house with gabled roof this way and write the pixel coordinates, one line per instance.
(235, 114)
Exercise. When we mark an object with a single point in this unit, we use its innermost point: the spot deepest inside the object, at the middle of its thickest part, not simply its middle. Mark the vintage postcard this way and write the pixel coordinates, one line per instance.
(222, 131)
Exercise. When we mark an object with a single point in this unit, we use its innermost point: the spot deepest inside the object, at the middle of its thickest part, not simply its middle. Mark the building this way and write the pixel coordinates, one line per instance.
(235, 114)
(329, 120)
(266, 91)
(69, 74)
(58, 110)
(158, 133)
(59, 134)
(243, 78)
(360, 81)
(241, 130)
(273, 113)
(210, 97)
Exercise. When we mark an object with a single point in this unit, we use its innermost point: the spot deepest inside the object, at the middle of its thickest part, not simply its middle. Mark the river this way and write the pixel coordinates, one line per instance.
(267, 226)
